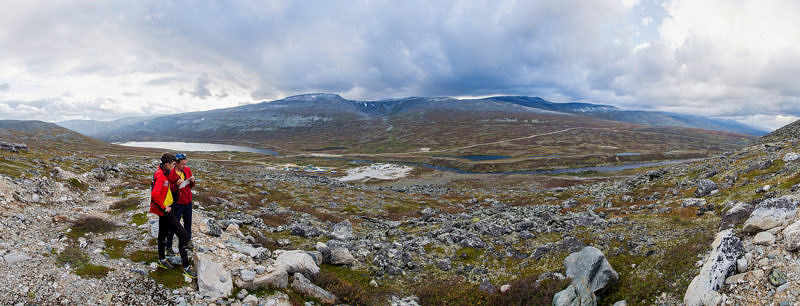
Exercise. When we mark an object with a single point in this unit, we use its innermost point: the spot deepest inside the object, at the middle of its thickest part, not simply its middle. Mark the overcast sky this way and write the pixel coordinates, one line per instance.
(109, 59)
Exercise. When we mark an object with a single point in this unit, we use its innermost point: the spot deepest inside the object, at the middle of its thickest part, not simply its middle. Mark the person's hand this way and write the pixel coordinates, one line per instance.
(169, 209)
(192, 179)
(179, 182)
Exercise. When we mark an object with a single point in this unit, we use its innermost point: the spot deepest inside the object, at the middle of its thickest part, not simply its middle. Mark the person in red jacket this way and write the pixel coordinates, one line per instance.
(161, 200)
(182, 208)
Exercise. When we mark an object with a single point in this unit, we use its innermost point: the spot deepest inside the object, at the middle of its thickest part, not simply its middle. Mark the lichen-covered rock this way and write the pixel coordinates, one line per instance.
(771, 213)
(720, 263)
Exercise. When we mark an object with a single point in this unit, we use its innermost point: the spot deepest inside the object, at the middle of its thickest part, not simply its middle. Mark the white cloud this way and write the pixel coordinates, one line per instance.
(115, 58)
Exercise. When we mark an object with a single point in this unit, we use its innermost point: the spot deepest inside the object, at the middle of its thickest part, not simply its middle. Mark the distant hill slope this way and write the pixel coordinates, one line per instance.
(520, 127)
(305, 110)
(788, 132)
(678, 120)
(94, 127)
(44, 134)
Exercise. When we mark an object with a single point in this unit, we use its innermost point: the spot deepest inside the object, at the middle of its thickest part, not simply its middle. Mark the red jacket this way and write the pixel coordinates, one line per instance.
(183, 196)
(160, 188)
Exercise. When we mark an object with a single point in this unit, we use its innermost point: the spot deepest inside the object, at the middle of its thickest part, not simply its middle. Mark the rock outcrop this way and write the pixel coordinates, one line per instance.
(719, 264)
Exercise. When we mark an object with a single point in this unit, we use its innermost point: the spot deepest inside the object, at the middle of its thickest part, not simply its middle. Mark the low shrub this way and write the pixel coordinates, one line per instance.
(350, 287)
(90, 224)
(125, 205)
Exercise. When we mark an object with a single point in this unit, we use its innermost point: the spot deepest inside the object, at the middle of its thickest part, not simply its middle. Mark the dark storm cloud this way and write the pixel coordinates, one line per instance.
(672, 56)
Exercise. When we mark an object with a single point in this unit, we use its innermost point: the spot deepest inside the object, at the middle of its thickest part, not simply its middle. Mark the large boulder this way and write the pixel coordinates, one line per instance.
(719, 264)
(771, 213)
(212, 279)
(297, 261)
(341, 256)
(590, 272)
(705, 187)
(303, 286)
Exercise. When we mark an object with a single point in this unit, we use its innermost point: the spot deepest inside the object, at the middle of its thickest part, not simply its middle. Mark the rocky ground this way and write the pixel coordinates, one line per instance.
(74, 229)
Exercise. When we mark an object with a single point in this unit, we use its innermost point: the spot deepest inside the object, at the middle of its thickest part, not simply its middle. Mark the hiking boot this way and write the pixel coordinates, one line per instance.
(188, 272)
(164, 263)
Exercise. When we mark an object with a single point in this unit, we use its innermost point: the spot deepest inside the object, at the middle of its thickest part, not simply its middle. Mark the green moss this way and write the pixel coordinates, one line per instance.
(115, 248)
(170, 278)
(76, 184)
(94, 271)
(139, 219)
(468, 254)
(776, 166)
(143, 256)
(74, 257)
(9, 171)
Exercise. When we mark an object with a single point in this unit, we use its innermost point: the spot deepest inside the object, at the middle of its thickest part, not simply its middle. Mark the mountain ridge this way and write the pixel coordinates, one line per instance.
(322, 104)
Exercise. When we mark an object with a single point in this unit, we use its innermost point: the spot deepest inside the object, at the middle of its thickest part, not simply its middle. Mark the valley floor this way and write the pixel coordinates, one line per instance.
(75, 230)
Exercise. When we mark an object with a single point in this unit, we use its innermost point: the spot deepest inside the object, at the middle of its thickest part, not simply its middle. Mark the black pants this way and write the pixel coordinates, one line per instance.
(168, 224)
(181, 212)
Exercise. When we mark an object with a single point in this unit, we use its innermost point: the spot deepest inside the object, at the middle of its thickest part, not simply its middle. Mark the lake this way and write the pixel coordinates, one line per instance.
(195, 147)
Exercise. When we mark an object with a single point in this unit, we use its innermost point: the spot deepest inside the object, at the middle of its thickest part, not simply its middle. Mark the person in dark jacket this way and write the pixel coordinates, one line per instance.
(161, 200)
(182, 208)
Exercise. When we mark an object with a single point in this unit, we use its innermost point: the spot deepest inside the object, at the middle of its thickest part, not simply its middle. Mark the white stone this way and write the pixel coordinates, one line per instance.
(250, 300)
(764, 238)
(741, 265)
(213, 280)
(247, 275)
(790, 157)
(16, 257)
(791, 236)
(297, 261)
